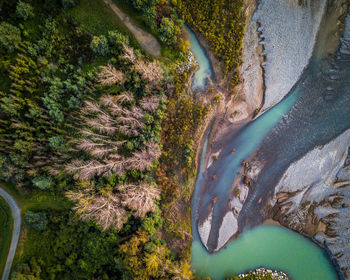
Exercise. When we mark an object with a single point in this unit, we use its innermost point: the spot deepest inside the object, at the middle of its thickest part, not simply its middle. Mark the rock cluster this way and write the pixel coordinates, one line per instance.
(188, 64)
(274, 274)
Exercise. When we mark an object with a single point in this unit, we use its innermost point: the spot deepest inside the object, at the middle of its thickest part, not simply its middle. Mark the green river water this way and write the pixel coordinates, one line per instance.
(265, 246)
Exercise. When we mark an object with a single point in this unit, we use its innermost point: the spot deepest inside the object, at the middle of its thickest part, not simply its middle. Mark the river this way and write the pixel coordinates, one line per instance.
(204, 71)
(313, 113)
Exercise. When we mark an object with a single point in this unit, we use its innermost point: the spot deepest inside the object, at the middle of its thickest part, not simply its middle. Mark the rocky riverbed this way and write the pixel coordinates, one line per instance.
(317, 202)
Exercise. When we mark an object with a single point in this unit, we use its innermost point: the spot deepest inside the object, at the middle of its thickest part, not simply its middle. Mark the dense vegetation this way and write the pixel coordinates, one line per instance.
(160, 19)
(222, 24)
(86, 118)
(5, 233)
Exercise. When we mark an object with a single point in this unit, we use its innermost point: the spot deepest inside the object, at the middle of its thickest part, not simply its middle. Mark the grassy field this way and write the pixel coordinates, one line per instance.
(6, 225)
(96, 17)
(36, 200)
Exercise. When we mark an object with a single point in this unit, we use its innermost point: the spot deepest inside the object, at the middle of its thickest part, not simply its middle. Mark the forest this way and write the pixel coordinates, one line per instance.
(222, 24)
(83, 112)
(98, 140)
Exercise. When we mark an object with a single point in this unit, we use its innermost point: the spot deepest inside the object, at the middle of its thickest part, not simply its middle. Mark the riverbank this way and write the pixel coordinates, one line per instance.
(237, 105)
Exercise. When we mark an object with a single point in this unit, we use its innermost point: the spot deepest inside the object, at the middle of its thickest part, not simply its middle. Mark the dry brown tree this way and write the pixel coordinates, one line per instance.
(150, 71)
(105, 210)
(150, 103)
(85, 170)
(129, 53)
(108, 75)
(124, 97)
(142, 160)
(140, 198)
(102, 120)
(130, 121)
(111, 103)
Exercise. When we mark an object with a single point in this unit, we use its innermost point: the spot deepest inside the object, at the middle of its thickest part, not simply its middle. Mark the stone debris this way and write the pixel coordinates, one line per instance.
(287, 47)
(188, 64)
(275, 274)
(315, 205)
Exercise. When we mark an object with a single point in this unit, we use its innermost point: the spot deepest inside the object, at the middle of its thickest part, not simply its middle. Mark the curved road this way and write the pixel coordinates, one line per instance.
(15, 233)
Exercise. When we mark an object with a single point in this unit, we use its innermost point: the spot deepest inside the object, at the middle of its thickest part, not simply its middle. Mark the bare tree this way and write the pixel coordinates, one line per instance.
(142, 160)
(111, 102)
(129, 53)
(131, 121)
(105, 210)
(150, 71)
(150, 103)
(137, 113)
(127, 130)
(99, 149)
(140, 198)
(85, 170)
(124, 97)
(108, 75)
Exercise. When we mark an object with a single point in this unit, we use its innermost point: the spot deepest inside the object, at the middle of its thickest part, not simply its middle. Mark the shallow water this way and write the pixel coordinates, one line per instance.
(268, 246)
(245, 144)
(204, 71)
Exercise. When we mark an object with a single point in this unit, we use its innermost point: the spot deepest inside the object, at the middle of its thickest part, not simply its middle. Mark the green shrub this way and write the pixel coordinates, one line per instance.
(10, 36)
(58, 143)
(169, 31)
(42, 183)
(67, 4)
(24, 10)
(116, 38)
(99, 45)
(37, 221)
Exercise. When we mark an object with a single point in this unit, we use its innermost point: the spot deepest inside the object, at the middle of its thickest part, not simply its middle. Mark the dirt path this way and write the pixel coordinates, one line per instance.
(15, 233)
(146, 40)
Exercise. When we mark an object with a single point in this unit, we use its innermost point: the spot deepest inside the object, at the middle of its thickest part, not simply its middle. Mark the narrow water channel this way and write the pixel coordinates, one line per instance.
(204, 71)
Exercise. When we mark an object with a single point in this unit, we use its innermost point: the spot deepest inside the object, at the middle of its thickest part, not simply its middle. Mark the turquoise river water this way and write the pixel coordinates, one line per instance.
(204, 70)
(264, 246)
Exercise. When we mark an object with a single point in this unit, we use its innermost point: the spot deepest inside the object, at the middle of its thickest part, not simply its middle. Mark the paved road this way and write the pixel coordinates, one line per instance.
(146, 40)
(15, 234)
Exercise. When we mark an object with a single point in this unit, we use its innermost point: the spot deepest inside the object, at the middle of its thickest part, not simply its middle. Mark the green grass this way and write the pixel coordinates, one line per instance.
(36, 200)
(96, 17)
(6, 225)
